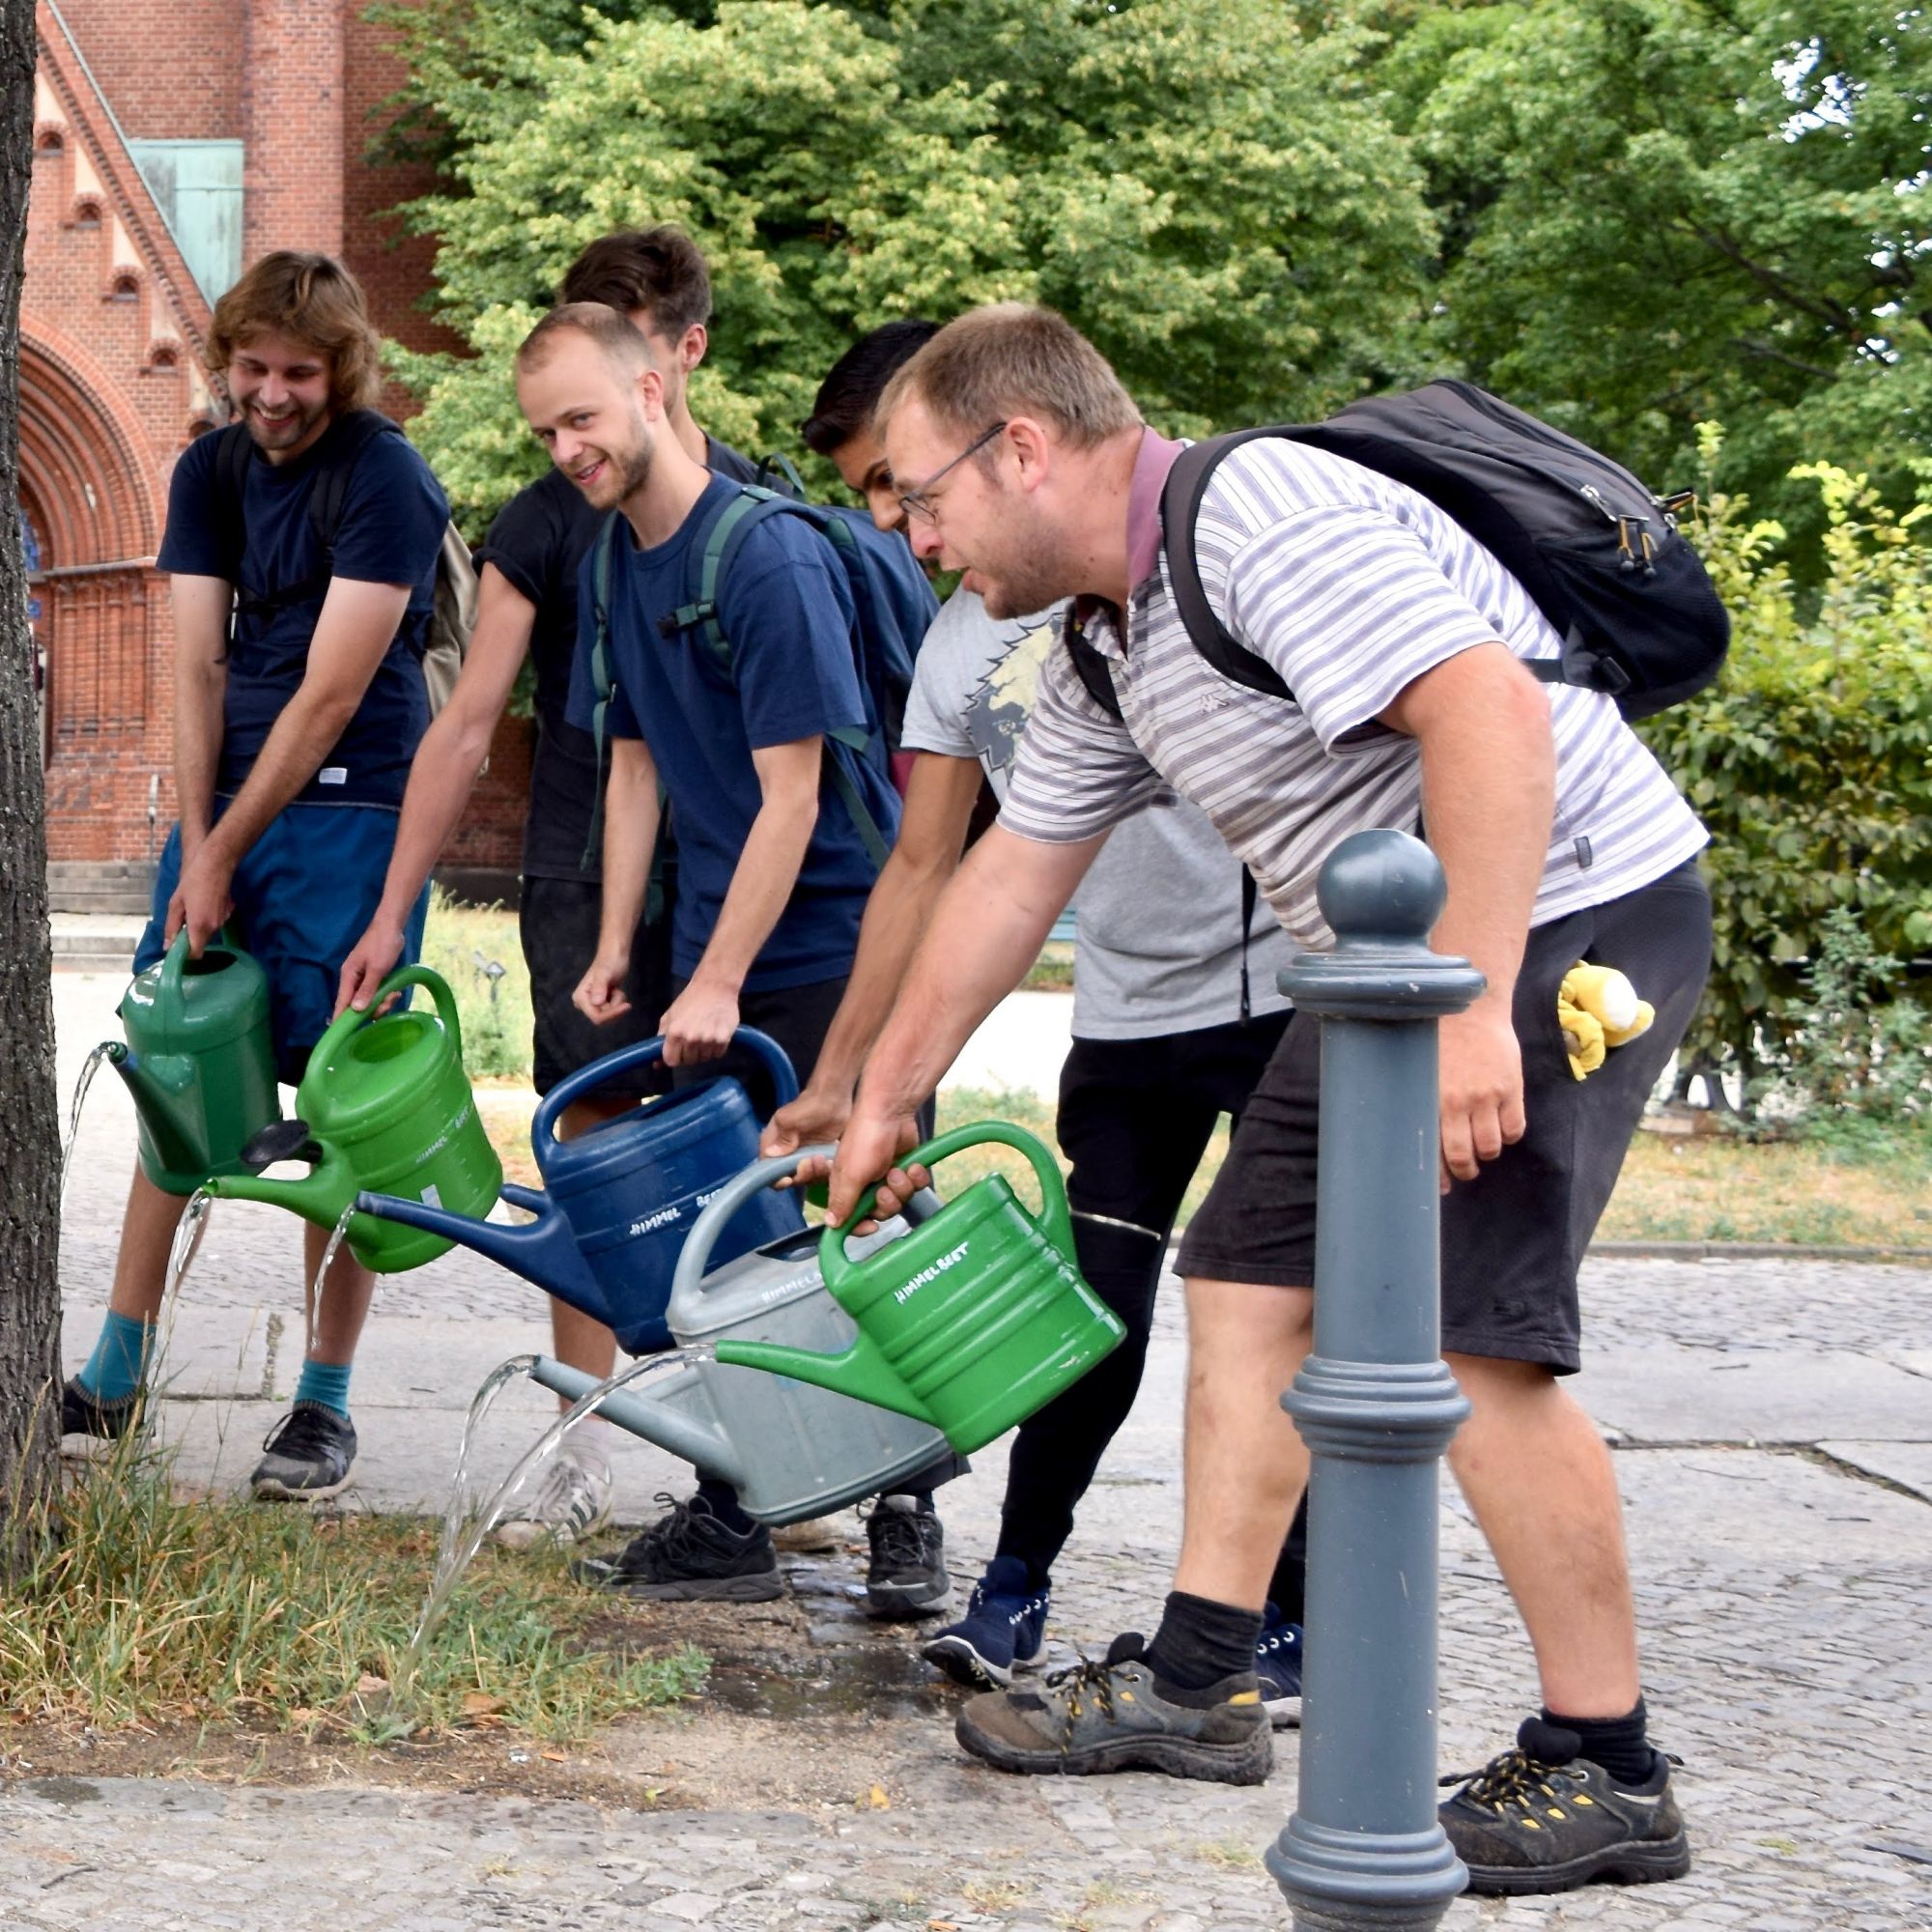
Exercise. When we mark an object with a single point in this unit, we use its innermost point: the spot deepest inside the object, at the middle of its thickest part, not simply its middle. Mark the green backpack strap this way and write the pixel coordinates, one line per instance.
(878, 848)
(602, 680)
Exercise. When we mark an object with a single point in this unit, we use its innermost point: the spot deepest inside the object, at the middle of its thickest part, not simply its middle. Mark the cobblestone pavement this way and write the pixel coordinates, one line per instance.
(1774, 1431)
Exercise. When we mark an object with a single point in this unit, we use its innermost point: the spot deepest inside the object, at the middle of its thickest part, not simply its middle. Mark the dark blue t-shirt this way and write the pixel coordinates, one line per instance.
(393, 517)
(787, 610)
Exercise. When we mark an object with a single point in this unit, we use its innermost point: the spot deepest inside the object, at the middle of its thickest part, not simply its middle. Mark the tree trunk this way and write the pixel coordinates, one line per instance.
(30, 1150)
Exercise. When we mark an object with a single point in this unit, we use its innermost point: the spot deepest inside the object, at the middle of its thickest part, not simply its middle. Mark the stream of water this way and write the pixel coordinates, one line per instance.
(89, 1067)
(456, 1550)
(314, 1291)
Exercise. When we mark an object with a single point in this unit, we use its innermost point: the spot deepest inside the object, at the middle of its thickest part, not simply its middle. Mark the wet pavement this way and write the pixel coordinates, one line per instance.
(1773, 1426)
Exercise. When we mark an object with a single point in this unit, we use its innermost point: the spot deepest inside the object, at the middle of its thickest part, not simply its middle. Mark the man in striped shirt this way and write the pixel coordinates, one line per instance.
(1561, 839)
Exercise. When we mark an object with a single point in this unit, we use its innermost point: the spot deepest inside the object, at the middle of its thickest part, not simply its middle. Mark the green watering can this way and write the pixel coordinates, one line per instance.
(969, 1322)
(199, 1060)
(385, 1106)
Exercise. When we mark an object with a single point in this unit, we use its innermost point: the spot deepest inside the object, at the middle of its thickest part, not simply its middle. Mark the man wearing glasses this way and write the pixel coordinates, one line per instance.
(1403, 642)
(1175, 1015)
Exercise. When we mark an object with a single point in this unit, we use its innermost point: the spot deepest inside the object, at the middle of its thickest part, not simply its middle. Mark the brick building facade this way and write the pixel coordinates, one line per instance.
(173, 144)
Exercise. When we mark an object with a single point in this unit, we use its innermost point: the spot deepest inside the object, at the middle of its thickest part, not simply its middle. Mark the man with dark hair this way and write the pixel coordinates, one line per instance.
(298, 704)
(1175, 1015)
(774, 866)
(1406, 646)
(528, 568)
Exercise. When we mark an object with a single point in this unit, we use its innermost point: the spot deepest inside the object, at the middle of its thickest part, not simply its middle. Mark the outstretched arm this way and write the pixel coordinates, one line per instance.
(939, 806)
(1488, 788)
(442, 777)
(357, 624)
(986, 932)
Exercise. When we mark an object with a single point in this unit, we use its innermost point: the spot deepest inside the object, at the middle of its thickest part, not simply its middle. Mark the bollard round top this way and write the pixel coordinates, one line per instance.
(1381, 884)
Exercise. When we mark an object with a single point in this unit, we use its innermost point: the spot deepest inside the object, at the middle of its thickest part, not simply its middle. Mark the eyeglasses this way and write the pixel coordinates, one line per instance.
(919, 503)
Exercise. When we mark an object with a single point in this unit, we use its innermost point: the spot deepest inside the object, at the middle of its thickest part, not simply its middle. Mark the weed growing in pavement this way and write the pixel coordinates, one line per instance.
(141, 1608)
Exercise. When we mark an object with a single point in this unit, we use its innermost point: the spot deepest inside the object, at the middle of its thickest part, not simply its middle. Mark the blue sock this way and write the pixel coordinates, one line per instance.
(326, 1384)
(113, 1371)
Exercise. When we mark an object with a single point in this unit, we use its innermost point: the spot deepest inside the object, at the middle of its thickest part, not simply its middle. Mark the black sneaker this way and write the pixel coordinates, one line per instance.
(84, 1413)
(1540, 1818)
(690, 1557)
(906, 1577)
(311, 1456)
(1116, 1715)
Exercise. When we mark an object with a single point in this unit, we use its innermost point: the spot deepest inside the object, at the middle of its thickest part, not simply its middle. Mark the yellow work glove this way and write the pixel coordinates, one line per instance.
(1597, 1009)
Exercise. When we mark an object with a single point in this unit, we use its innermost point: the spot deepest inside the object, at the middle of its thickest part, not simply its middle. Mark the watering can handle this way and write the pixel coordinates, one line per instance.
(349, 1019)
(1055, 1218)
(588, 1079)
(174, 962)
(688, 1280)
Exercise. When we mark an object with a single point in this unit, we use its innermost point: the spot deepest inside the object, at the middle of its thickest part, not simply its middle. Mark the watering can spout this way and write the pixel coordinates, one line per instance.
(862, 1372)
(543, 1251)
(319, 1196)
(653, 1417)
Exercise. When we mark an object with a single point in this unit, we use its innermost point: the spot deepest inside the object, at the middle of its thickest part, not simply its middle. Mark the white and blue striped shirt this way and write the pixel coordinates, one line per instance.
(1352, 586)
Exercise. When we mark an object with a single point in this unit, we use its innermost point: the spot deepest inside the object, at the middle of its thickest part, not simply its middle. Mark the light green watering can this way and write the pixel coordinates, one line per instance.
(384, 1106)
(969, 1322)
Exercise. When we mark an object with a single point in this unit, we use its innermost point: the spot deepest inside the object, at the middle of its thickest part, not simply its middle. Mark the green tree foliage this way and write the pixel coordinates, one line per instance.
(1811, 759)
(1657, 213)
(1210, 195)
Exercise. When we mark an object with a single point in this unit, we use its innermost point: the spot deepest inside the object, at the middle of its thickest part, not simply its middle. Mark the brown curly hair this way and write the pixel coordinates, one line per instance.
(317, 302)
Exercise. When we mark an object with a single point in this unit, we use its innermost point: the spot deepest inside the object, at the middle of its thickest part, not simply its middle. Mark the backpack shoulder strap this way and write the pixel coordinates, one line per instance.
(234, 451)
(1179, 508)
(602, 569)
(713, 560)
(348, 439)
(1095, 673)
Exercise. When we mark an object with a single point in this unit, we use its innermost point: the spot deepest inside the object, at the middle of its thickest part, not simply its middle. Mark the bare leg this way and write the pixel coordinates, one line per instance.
(345, 1299)
(1246, 1466)
(1539, 1478)
(146, 1236)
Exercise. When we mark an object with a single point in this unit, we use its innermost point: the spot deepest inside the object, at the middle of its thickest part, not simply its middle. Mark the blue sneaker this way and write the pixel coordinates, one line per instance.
(1278, 1665)
(1003, 1629)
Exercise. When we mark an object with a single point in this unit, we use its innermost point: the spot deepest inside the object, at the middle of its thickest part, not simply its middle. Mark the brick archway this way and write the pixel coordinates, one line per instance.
(87, 470)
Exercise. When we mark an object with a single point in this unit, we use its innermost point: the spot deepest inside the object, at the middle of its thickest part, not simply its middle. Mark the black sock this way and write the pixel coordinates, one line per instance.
(723, 1502)
(1201, 1642)
(1617, 1743)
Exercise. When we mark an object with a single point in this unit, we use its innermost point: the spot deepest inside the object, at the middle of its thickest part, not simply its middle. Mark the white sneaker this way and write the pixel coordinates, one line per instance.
(573, 1502)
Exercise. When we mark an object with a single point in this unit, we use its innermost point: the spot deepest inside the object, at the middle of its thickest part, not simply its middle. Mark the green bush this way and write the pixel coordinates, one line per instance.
(1810, 760)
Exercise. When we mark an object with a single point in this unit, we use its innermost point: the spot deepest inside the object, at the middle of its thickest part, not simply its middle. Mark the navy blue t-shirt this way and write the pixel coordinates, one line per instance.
(787, 608)
(393, 517)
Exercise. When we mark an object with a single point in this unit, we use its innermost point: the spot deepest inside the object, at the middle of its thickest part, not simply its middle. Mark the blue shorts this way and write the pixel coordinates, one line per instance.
(304, 894)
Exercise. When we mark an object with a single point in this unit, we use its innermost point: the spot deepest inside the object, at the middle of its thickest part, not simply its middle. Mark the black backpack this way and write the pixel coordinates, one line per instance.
(454, 618)
(1600, 553)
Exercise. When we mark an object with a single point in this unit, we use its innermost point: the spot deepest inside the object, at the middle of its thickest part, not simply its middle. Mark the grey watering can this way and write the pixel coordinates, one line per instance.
(791, 1450)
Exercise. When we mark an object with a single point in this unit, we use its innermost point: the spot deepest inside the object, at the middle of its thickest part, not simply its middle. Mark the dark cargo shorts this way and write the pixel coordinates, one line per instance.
(1512, 1238)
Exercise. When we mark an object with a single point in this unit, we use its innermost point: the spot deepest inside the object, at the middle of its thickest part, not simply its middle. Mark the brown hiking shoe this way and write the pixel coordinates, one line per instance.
(1116, 1715)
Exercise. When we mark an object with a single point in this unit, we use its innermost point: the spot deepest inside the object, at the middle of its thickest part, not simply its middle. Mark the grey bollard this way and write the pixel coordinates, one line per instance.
(1374, 1404)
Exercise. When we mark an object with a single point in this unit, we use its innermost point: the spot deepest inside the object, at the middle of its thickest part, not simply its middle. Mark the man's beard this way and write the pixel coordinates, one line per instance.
(1034, 572)
(286, 433)
(631, 468)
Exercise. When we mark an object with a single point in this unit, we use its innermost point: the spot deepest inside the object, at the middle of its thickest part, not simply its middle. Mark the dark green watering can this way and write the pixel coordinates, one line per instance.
(971, 1321)
(200, 1062)
(385, 1106)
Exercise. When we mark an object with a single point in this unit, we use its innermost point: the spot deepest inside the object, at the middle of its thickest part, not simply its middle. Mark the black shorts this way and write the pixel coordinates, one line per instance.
(1512, 1238)
(558, 921)
(797, 1017)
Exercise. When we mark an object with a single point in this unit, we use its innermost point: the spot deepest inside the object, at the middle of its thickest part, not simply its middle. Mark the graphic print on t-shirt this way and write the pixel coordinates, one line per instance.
(997, 706)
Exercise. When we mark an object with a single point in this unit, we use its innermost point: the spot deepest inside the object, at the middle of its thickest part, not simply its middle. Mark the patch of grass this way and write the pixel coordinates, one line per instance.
(1873, 1190)
(144, 1609)
(462, 943)
(1231, 1853)
(1053, 971)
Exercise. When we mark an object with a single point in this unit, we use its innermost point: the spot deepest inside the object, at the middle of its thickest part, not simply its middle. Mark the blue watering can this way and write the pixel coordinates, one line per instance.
(619, 1200)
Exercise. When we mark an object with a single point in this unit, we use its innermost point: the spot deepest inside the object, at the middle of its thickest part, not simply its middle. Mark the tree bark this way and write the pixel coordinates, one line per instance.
(30, 1150)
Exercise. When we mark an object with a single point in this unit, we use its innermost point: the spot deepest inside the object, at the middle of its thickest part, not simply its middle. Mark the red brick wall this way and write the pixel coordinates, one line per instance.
(172, 73)
(109, 391)
(292, 112)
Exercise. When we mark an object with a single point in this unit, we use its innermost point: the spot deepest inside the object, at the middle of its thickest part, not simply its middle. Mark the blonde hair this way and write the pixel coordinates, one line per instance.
(1014, 359)
(622, 343)
(316, 301)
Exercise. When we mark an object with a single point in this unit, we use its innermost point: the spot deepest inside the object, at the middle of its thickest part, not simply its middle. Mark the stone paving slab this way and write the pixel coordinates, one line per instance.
(1907, 1463)
(1783, 1599)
